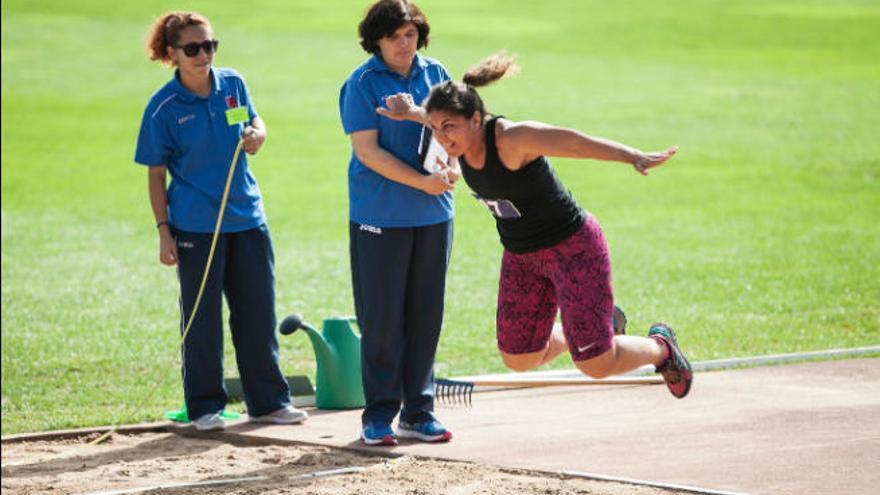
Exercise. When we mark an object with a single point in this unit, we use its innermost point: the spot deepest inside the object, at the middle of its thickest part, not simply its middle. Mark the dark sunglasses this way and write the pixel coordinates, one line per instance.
(192, 49)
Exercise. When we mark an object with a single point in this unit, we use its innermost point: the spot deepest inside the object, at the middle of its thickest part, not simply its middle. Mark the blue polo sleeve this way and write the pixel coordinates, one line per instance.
(154, 144)
(357, 106)
(444, 74)
(246, 99)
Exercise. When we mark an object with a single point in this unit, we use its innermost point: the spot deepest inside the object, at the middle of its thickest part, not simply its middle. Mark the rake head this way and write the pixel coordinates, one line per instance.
(453, 391)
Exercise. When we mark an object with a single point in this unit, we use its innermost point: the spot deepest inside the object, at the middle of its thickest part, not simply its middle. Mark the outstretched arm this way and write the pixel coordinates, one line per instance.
(530, 139)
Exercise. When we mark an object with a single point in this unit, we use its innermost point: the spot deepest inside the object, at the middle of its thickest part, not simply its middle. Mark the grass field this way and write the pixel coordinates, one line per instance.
(761, 236)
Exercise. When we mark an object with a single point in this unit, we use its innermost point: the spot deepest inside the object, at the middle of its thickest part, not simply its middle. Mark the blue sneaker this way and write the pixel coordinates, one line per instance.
(377, 433)
(426, 431)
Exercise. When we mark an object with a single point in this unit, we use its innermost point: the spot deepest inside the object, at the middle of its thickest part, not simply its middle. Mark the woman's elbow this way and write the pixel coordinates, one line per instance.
(363, 155)
(363, 151)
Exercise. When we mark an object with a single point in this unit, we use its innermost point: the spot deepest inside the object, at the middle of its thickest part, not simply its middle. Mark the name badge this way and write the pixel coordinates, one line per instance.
(237, 115)
(499, 208)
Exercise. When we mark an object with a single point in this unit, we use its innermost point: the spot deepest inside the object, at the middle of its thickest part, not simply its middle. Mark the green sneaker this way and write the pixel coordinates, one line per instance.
(676, 370)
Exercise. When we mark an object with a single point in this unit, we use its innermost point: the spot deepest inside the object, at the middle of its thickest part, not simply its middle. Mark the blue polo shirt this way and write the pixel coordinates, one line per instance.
(373, 199)
(189, 134)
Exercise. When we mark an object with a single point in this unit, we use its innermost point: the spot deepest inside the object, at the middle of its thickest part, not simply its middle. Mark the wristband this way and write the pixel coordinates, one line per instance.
(162, 222)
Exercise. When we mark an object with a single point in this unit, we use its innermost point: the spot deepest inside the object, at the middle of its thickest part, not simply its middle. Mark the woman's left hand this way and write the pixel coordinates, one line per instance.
(401, 106)
(253, 139)
(647, 161)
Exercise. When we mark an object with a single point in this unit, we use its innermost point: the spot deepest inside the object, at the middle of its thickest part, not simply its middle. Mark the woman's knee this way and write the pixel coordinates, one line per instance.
(522, 362)
(601, 366)
(597, 373)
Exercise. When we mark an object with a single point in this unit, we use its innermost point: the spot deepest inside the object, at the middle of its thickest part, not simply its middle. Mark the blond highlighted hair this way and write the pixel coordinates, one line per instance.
(165, 31)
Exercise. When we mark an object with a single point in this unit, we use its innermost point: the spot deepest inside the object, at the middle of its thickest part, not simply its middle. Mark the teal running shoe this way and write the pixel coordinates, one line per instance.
(676, 371)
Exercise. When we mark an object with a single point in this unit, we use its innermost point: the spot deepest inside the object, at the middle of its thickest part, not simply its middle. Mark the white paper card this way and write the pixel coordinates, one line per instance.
(430, 151)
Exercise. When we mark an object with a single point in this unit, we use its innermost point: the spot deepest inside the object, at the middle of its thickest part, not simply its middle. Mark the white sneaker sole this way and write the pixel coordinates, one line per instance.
(276, 421)
(420, 436)
(379, 441)
(209, 427)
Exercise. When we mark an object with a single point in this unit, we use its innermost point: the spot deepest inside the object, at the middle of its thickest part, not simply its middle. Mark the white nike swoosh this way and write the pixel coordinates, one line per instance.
(584, 348)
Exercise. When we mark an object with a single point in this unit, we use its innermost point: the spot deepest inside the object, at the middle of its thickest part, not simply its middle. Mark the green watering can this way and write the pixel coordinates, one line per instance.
(338, 355)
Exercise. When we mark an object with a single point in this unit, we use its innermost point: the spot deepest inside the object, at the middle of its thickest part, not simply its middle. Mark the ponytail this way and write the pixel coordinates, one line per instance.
(165, 32)
(491, 69)
(461, 98)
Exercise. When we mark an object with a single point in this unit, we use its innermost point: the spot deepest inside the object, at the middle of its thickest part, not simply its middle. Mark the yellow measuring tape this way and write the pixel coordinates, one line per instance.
(213, 241)
(192, 315)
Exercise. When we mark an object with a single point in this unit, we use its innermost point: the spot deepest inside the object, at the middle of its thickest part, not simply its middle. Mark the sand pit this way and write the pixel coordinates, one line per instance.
(228, 464)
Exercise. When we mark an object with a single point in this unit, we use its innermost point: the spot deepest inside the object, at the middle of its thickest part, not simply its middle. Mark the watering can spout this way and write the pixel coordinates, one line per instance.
(323, 350)
(337, 355)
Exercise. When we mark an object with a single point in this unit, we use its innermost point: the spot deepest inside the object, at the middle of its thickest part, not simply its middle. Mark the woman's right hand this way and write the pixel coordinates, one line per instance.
(167, 247)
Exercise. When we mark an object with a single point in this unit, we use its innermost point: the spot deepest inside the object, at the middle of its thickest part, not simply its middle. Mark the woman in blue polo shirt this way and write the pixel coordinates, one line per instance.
(400, 227)
(190, 130)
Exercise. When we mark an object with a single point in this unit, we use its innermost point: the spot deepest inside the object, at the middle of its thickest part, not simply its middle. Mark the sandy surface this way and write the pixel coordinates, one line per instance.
(153, 459)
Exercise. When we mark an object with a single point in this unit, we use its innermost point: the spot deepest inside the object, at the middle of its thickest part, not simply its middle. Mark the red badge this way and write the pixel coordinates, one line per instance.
(231, 102)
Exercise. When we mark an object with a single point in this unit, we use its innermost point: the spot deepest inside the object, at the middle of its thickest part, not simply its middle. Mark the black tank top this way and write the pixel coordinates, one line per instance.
(532, 209)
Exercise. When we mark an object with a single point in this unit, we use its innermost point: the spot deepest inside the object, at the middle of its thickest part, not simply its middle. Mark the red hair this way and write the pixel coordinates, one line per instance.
(165, 32)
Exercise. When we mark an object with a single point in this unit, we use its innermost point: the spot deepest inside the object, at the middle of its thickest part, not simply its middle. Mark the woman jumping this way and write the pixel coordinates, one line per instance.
(555, 255)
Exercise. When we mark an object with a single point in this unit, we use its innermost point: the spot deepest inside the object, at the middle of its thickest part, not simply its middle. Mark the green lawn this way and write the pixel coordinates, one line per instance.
(761, 236)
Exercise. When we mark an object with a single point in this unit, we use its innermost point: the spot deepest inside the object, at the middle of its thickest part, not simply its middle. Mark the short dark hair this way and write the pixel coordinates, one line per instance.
(385, 17)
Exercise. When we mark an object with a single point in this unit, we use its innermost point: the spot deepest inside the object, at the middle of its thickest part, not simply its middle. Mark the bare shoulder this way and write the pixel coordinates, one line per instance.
(516, 130)
(512, 140)
(502, 133)
(508, 131)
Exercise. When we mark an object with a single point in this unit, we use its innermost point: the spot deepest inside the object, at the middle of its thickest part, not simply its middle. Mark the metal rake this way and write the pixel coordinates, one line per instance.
(460, 392)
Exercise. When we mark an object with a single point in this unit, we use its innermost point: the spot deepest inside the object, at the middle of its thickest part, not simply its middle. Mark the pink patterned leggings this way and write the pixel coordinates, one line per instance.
(573, 276)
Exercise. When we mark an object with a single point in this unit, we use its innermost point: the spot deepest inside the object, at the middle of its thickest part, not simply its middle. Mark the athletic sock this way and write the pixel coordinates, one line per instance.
(665, 346)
